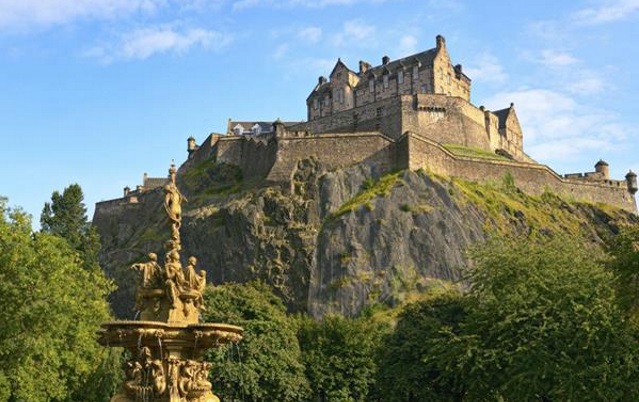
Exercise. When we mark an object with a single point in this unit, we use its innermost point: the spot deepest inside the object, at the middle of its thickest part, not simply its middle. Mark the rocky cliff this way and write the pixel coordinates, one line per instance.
(335, 241)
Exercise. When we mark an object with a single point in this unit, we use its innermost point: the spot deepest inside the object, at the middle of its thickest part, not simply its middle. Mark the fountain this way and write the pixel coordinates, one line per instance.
(167, 341)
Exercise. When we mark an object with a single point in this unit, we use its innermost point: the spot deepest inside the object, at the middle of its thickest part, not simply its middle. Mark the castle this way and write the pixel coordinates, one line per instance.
(410, 113)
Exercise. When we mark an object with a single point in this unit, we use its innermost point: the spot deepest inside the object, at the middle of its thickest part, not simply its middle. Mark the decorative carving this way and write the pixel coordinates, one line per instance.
(168, 298)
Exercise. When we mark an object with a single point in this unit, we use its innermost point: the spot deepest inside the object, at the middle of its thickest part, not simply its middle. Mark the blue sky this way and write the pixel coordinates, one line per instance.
(97, 92)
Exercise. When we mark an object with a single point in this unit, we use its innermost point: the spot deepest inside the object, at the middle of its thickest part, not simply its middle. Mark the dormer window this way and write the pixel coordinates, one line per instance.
(256, 129)
(238, 130)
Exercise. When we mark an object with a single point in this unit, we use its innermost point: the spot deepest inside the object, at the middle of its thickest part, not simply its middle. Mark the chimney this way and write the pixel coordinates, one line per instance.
(363, 67)
(321, 80)
(385, 60)
(440, 41)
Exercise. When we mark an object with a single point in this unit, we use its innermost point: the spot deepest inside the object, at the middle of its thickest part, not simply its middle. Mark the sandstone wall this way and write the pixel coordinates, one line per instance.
(444, 119)
(334, 150)
(533, 179)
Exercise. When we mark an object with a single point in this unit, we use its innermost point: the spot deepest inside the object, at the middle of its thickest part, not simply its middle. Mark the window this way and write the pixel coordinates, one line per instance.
(416, 73)
(424, 88)
(379, 112)
(448, 79)
(340, 95)
(400, 77)
(385, 80)
(371, 85)
(315, 103)
(327, 100)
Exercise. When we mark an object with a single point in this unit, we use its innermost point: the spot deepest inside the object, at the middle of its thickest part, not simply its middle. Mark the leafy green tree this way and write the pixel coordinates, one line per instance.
(339, 356)
(66, 216)
(546, 325)
(624, 264)
(414, 361)
(266, 364)
(51, 308)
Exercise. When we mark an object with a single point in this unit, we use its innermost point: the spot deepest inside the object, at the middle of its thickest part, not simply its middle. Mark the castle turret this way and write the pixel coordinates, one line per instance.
(191, 146)
(603, 169)
(631, 181)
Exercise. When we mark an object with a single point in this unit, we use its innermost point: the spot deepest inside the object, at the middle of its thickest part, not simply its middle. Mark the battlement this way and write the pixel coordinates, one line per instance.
(399, 115)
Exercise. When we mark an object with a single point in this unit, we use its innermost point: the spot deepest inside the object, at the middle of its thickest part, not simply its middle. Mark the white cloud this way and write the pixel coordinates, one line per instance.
(281, 51)
(554, 58)
(486, 68)
(407, 45)
(240, 5)
(144, 43)
(29, 14)
(608, 11)
(557, 128)
(310, 34)
(585, 82)
(354, 31)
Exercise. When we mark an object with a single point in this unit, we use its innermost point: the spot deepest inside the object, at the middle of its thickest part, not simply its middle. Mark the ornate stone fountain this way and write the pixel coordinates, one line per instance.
(167, 343)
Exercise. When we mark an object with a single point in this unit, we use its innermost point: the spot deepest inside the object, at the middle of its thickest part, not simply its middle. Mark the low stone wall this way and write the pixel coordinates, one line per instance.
(533, 179)
(334, 150)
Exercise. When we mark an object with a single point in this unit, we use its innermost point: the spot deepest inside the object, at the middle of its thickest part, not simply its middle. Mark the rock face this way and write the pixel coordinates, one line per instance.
(336, 241)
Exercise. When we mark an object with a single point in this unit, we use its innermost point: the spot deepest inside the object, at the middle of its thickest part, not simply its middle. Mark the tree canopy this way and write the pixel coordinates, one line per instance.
(66, 216)
(266, 364)
(52, 307)
(541, 321)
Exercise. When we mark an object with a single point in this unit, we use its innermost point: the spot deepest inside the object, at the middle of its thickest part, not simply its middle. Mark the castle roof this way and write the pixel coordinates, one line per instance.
(423, 58)
(502, 116)
(248, 127)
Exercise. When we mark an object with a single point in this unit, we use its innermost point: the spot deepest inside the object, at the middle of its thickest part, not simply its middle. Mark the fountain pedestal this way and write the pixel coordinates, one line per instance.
(167, 344)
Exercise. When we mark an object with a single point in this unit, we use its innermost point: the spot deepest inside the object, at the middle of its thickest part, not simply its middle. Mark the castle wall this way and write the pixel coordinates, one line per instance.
(532, 179)
(334, 150)
(383, 116)
(254, 156)
(444, 119)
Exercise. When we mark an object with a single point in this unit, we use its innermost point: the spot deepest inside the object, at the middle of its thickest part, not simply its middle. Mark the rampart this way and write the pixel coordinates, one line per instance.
(531, 178)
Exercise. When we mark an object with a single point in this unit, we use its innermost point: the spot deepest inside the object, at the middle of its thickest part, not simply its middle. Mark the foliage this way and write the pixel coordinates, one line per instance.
(624, 264)
(51, 310)
(266, 364)
(339, 356)
(411, 367)
(380, 188)
(66, 216)
(473, 152)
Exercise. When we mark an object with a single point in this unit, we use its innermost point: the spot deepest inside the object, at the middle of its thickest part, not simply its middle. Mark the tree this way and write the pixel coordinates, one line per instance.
(51, 308)
(624, 264)
(266, 364)
(339, 356)
(414, 361)
(545, 324)
(66, 216)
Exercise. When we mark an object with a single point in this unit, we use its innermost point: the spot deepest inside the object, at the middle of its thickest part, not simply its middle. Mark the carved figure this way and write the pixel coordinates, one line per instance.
(175, 281)
(151, 271)
(195, 281)
(172, 202)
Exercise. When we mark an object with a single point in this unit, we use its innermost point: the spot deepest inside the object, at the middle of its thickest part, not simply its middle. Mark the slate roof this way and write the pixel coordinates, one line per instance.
(265, 127)
(424, 58)
(502, 116)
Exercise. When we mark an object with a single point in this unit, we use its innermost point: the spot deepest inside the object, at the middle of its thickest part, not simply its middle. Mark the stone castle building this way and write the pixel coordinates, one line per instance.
(410, 113)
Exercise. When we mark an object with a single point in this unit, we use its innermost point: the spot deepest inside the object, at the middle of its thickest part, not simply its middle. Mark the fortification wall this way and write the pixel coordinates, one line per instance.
(254, 156)
(383, 116)
(533, 179)
(333, 150)
(445, 119)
